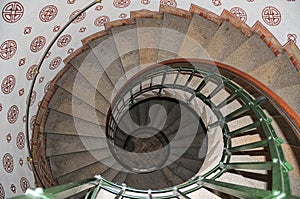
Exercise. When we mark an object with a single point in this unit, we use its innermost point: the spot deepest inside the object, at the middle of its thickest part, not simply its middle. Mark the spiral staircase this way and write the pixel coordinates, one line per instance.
(171, 104)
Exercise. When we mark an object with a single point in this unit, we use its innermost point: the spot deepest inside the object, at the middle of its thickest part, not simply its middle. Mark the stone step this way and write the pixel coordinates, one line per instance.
(290, 95)
(173, 32)
(107, 54)
(88, 65)
(60, 123)
(199, 33)
(253, 53)
(171, 176)
(126, 42)
(110, 174)
(191, 164)
(105, 194)
(226, 40)
(77, 85)
(64, 102)
(120, 178)
(184, 173)
(277, 73)
(148, 34)
(58, 144)
(86, 172)
(141, 181)
(67, 163)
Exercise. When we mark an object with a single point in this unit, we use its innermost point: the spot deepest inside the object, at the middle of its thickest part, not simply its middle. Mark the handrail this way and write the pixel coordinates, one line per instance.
(286, 109)
(35, 74)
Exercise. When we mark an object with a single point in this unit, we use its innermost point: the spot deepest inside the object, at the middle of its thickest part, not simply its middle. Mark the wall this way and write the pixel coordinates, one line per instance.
(26, 28)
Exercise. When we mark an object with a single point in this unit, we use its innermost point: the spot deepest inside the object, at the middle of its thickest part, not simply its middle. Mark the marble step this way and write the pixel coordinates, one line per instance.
(290, 95)
(171, 176)
(64, 102)
(88, 65)
(58, 144)
(184, 173)
(60, 123)
(107, 54)
(226, 40)
(83, 173)
(120, 178)
(67, 163)
(198, 35)
(148, 34)
(253, 53)
(173, 32)
(141, 181)
(77, 85)
(126, 42)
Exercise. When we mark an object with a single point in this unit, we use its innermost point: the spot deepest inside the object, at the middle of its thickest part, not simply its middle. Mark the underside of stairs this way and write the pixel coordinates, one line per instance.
(98, 117)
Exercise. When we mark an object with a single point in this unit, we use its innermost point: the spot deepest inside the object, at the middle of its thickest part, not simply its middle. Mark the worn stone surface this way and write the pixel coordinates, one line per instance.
(126, 42)
(291, 95)
(151, 29)
(60, 123)
(277, 73)
(198, 35)
(58, 144)
(172, 35)
(253, 53)
(64, 102)
(226, 40)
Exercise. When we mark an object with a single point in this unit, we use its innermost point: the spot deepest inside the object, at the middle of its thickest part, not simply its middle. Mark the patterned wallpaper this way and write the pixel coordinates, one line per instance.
(27, 27)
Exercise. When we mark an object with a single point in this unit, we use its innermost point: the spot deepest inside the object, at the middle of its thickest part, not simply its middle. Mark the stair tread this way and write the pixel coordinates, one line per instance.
(66, 163)
(277, 73)
(149, 28)
(173, 32)
(89, 171)
(63, 101)
(106, 52)
(226, 40)
(199, 33)
(253, 53)
(58, 144)
(120, 178)
(77, 85)
(290, 95)
(60, 123)
(88, 65)
(127, 46)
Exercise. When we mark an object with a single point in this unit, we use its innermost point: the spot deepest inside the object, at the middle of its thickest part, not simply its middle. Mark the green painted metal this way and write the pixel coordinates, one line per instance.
(278, 166)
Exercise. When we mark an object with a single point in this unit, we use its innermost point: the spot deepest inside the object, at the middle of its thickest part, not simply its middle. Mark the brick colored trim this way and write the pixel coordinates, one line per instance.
(237, 23)
(38, 141)
(94, 36)
(145, 14)
(121, 22)
(194, 9)
(175, 11)
(294, 54)
(268, 38)
(75, 53)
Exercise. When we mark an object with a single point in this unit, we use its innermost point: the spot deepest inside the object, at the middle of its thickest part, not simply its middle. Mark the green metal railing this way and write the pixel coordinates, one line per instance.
(277, 165)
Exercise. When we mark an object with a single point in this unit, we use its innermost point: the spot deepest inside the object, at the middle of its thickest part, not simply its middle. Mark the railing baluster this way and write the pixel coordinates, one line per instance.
(237, 112)
(236, 190)
(227, 100)
(244, 129)
(250, 165)
(215, 91)
(253, 145)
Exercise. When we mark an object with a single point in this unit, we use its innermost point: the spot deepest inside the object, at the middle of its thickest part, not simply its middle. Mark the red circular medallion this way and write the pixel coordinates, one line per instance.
(55, 63)
(12, 12)
(79, 18)
(12, 114)
(8, 84)
(121, 3)
(239, 13)
(100, 21)
(30, 72)
(8, 49)
(171, 3)
(8, 163)
(2, 192)
(37, 44)
(24, 183)
(20, 142)
(48, 13)
(271, 16)
(64, 40)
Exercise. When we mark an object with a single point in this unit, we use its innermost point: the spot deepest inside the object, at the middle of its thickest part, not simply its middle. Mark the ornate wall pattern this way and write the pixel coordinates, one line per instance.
(26, 31)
